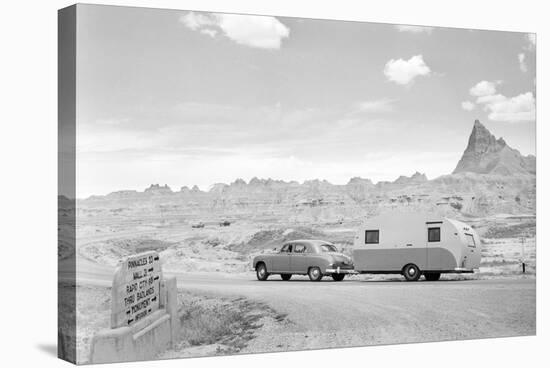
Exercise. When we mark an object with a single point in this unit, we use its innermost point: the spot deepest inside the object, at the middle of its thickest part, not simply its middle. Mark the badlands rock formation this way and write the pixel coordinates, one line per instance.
(487, 155)
(490, 178)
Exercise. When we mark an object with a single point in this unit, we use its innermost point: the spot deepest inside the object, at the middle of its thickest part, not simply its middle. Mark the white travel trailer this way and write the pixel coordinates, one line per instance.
(415, 244)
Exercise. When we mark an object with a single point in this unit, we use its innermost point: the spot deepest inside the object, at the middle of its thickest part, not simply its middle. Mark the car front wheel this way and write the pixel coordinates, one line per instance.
(315, 274)
(261, 272)
(338, 276)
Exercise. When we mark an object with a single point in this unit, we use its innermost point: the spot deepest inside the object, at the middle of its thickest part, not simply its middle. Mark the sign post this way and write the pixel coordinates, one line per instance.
(144, 318)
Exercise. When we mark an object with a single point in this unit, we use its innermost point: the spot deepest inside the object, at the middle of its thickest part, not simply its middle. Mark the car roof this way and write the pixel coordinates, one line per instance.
(308, 241)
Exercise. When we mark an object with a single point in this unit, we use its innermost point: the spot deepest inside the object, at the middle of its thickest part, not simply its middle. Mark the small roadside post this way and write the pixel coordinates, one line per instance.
(523, 253)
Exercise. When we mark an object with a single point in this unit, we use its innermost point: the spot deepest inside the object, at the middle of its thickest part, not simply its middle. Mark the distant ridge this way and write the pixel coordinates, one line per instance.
(490, 178)
(487, 155)
(266, 184)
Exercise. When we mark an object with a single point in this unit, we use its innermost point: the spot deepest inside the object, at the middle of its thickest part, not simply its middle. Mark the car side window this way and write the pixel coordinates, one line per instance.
(300, 248)
(287, 248)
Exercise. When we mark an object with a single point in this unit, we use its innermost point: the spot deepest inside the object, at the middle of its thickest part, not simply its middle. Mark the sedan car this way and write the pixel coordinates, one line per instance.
(315, 258)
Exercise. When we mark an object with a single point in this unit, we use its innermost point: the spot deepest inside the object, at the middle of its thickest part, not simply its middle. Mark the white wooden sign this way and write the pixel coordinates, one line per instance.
(136, 289)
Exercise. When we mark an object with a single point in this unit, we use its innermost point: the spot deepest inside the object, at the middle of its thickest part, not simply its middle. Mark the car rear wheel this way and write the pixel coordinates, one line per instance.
(338, 276)
(315, 274)
(432, 276)
(286, 276)
(411, 272)
(261, 272)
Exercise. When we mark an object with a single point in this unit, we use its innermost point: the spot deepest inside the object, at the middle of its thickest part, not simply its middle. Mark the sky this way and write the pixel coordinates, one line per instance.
(191, 98)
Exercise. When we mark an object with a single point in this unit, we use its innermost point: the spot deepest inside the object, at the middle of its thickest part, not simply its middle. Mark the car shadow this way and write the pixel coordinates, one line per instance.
(383, 281)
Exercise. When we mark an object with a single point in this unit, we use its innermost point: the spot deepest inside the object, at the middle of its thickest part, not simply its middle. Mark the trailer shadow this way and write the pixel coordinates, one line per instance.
(356, 279)
(413, 282)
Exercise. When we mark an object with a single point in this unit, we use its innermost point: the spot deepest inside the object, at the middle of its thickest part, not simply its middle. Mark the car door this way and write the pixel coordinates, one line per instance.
(299, 260)
(281, 260)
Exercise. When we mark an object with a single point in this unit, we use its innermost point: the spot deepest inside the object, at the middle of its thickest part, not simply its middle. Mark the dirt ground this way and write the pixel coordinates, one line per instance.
(224, 310)
(505, 242)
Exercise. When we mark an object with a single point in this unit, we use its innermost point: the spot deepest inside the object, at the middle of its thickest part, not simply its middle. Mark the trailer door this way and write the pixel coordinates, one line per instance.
(433, 245)
(471, 257)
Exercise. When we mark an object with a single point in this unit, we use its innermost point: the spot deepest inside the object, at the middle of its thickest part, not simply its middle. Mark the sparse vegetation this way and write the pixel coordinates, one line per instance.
(230, 322)
(205, 320)
(527, 229)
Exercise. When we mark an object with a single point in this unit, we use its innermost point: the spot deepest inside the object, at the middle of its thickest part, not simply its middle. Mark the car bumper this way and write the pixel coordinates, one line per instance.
(340, 270)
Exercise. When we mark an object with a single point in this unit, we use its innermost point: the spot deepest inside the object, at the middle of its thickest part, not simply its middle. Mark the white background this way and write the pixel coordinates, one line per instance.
(28, 206)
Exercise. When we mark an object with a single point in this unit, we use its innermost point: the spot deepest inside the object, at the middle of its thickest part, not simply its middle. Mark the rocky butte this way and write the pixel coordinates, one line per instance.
(487, 155)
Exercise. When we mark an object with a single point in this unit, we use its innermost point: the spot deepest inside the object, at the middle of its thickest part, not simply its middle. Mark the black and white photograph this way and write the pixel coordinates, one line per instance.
(252, 183)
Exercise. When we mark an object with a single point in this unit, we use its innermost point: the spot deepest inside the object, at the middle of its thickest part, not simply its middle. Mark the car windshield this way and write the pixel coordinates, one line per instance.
(328, 248)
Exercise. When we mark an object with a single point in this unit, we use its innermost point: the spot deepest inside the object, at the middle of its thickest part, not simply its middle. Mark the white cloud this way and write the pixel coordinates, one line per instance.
(490, 99)
(405, 71)
(210, 32)
(483, 88)
(514, 109)
(522, 65)
(468, 105)
(383, 105)
(255, 31)
(520, 108)
(414, 29)
(249, 30)
(195, 21)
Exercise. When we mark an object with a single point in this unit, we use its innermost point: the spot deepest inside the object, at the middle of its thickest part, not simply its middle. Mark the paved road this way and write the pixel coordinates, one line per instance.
(361, 312)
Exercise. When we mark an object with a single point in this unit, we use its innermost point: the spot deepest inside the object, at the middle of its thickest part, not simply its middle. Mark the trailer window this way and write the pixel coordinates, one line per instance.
(434, 234)
(471, 240)
(372, 236)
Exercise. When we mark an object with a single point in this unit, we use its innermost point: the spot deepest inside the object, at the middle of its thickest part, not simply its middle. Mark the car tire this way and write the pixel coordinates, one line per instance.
(432, 276)
(338, 276)
(315, 274)
(411, 272)
(286, 276)
(261, 272)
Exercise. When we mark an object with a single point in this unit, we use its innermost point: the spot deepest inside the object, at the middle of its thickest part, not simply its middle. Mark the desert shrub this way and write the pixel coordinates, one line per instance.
(202, 325)
(206, 320)
(456, 205)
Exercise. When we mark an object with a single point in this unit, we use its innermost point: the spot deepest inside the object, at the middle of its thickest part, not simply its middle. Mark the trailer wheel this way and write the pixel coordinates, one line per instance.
(432, 276)
(338, 276)
(286, 276)
(261, 272)
(411, 272)
(315, 274)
